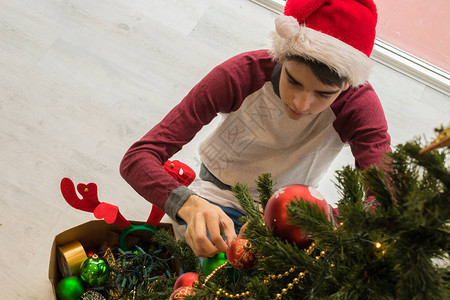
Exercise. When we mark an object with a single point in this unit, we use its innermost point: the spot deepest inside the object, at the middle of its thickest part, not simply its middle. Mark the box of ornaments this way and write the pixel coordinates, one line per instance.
(109, 258)
(95, 261)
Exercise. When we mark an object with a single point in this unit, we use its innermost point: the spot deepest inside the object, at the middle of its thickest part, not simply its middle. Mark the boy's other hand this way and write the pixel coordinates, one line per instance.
(200, 216)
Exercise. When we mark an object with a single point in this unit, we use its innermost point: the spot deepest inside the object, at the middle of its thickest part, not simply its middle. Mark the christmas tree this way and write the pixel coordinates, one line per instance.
(394, 247)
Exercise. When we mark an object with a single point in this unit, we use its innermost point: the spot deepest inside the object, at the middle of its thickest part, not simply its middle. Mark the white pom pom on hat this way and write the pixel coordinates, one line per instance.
(287, 27)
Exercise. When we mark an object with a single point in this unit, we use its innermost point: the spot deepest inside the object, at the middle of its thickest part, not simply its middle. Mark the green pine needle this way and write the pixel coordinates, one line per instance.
(179, 249)
(246, 201)
(265, 188)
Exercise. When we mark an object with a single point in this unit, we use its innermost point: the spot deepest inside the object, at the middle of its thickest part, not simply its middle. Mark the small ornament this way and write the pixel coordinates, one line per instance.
(92, 295)
(69, 288)
(211, 263)
(90, 252)
(109, 257)
(94, 271)
(276, 218)
(181, 292)
(186, 279)
(241, 254)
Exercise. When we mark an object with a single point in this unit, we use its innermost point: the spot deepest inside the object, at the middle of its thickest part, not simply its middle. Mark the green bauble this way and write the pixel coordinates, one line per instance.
(211, 263)
(94, 271)
(70, 288)
(231, 274)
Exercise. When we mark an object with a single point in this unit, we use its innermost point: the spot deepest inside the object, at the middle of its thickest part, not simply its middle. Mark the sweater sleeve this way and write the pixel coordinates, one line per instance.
(221, 91)
(362, 124)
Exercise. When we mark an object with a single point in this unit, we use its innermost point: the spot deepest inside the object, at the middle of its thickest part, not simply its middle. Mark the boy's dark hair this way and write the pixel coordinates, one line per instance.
(325, 74)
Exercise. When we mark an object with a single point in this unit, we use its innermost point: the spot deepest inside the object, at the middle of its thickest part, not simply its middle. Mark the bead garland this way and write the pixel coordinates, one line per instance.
(222, 291)
(296, 280)
(279, 276)
(207, 278)
(301, 275)
(289, 286)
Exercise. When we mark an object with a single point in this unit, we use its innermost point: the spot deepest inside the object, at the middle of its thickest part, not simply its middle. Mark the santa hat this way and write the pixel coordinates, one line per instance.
(338, 33)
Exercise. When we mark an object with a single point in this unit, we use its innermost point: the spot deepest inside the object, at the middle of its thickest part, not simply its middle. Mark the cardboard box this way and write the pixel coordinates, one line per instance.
(91, 235)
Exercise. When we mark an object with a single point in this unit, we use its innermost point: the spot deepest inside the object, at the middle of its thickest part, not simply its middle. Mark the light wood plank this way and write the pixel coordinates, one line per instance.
(80, 81)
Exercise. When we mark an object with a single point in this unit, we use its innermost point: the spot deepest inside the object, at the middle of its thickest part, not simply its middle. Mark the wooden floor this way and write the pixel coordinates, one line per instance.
(80, 81)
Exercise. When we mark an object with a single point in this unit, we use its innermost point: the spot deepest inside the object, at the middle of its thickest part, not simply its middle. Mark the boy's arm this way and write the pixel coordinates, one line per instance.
(142, 164)
(362, 124)
(222, 91)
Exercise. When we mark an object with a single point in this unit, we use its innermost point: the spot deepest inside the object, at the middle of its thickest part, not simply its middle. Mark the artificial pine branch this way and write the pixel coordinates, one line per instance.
(350, 186)
(445, 275)
(419, 230)
(179, 249)
(159, 289)
(433, 162)
(308, 215)
(404, 176)
(351, 276)
(266, 244)
(265, 188)
(223, 280)
(247, 202)
(403, 223)
(436, 180)
(351, 207)
(381, 252)
(379, 186)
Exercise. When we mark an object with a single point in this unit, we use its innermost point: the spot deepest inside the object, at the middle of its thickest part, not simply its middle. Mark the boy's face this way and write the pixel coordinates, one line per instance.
(302, 93)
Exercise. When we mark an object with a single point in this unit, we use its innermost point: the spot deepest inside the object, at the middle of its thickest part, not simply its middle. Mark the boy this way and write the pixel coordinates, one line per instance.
(287, 111)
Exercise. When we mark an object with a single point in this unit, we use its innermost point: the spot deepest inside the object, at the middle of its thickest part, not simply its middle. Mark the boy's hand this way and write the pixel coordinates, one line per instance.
(200, 215)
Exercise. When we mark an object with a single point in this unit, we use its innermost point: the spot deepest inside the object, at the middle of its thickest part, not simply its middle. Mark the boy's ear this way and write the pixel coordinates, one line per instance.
(346, 86)
(282, 59)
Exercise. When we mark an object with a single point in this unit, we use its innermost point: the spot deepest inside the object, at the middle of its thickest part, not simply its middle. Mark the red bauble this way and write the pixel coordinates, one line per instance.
(241, 254)
(186, 279)
(181, 292)
(276, 218)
